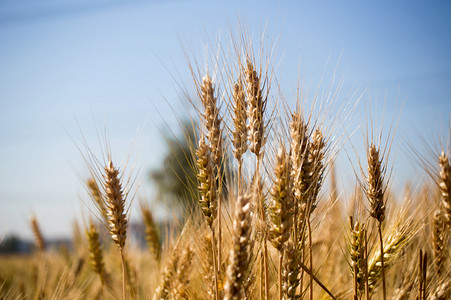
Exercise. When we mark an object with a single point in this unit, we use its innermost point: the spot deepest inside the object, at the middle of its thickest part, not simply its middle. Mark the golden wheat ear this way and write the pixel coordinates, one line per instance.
(444, 183)
(206, 182)
(38, 237)
(256, 105)
(239, 121)
(152, 235)
(358, 258)
(239, 255)
(438, 241)
(96, 253)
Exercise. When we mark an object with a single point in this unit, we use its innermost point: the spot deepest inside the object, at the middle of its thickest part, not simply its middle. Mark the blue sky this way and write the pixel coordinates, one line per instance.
(67, 66)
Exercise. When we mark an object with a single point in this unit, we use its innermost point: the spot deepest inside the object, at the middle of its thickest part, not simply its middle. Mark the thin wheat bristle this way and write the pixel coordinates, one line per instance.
(438, 241)
(38, 237)
(280, 205)
(212, 120)
(206, 182)
(151, 232)
(445, 186)
(255, 110)
(239, 255)
(115, 205)
(239, 121)
(375, 184)
(96, 253)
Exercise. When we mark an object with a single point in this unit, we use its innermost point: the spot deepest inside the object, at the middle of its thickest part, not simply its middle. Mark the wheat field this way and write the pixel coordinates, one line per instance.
(268, 220)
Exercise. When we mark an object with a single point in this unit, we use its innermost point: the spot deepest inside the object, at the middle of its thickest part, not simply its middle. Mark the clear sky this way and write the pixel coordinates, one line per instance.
(68, 65)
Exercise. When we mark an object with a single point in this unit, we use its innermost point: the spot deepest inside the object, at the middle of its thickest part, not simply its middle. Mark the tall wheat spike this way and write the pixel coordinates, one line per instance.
(182, 276)
(438, 241)
(96, 253)
(375, 190)
(115, 205)
(239, 121)
(395, 242)
(239, 255)
(357, 253)
(445, 186)
(38, 237)
(96, 196)
(206, 182)
(256, 105)
(212, 120)
(290, 271)
(170, 270)
(280, 207)
(300, 171)
(116, 214)
(151, 232)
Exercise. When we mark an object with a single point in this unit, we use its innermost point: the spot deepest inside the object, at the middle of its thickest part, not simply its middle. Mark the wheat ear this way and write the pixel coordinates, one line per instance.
(375, 191)
(445, 186)
(239, 121)
(206, 182)
(300, 172)
(280, 207)
(290, 271)
(168, 277)
(395, 242)
(96, 196)
(38, 237)
(239, 255)
(182, 275)
(357, 252)
(256, 105)
(96, 253)
(207, 200)
(115, 206)
(438, 241)
(212, 121)
(151, 232)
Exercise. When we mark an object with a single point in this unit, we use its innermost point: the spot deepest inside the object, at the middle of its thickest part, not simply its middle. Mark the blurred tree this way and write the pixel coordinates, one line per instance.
(176, 180)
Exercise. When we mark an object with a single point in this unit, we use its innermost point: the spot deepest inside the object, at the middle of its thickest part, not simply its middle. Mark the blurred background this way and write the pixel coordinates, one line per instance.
(69, 69)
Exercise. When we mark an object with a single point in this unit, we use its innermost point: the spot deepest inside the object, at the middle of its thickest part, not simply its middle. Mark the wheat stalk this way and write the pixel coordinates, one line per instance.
(375, 190)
